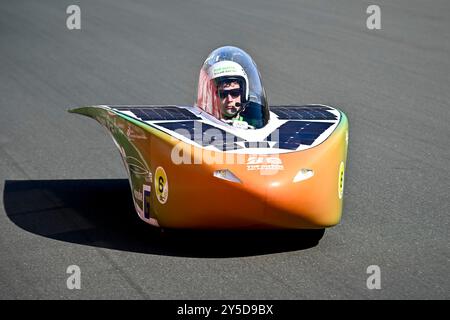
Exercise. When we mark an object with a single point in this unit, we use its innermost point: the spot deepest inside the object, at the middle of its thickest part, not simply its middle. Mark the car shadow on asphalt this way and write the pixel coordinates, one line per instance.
(100, 213)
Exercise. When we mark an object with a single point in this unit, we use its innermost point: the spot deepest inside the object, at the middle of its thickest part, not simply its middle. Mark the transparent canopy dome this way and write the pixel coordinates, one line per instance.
(230, 88)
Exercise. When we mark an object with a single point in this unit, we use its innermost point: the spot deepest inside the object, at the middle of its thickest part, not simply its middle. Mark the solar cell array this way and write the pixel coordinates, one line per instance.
(204, 134)
(309, 112)
(159, 113)
(293, 133)
(290, 135)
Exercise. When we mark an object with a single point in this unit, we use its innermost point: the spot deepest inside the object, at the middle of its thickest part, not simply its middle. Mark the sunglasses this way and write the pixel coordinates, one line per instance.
(234, 93)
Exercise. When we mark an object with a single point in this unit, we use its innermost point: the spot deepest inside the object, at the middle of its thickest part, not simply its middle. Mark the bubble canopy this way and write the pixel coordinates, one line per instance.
(233, 64)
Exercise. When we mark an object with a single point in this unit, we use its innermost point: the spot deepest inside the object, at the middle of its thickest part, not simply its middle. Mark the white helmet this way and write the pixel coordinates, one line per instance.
(230, 70)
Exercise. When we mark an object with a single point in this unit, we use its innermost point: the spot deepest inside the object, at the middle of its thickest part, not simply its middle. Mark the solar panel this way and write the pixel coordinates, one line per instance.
(154, 113)
(309, 112)
(289, 136)
(204, 134)
(293, 133)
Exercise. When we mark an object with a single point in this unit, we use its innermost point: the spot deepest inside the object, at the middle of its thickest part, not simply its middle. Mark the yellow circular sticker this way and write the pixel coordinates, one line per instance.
(161, 185)
(341, 180)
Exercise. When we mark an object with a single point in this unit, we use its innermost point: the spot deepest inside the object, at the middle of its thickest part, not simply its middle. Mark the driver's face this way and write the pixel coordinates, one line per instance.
(229, 95)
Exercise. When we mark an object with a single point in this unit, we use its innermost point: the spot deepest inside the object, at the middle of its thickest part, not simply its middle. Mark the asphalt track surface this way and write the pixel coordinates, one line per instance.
(65, 198)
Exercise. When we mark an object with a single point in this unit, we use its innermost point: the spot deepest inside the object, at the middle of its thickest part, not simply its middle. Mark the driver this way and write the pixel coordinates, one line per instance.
(229, 92)
(231, 85)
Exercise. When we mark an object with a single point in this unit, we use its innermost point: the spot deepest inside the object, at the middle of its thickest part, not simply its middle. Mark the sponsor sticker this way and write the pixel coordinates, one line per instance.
(264, 163)
(223, 69)
(341, 180)
(146, 200)
(161, 185)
